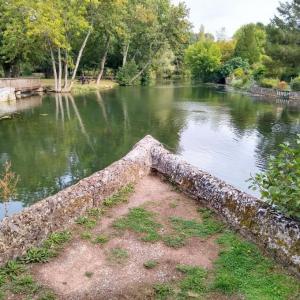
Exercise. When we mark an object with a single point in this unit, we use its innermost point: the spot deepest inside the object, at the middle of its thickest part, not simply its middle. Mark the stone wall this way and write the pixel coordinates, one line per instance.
(28, 228)
(253, 218)
(256, 90)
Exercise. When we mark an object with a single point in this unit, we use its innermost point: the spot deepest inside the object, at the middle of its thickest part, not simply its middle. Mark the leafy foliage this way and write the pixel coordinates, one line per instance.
(295, 84)
(203, 58)
(280, 184)
(233, 64)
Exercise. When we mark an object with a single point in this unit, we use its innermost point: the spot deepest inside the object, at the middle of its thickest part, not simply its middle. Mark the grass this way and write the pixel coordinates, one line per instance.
(89, 274)
(101, 239)
(118, 255)
(121, 196)
(24, 285)
(57, 239)
(174, 241)
(85, 221)
(141, 221)
(192, 228)
(86, 235)
(162, 291)
(241, 268)
(38, 255)
(193, 281)
(150, 264)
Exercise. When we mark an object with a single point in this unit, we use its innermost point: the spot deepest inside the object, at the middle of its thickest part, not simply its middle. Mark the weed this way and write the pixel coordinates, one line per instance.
(38, 255)
(242, 269)
(150, 264)
(192, 228)
(24, 285)
(57, 239)
(141, 221)
(86, 235)
(86, 222)
(11, 268)
(120, 197)
(118, 255)
(101, 239)
(174, 241)
(46, 295)
(2, 295)
(162, 291)
(194, 280)
(88, 274)
(205, 212)
(173, 205)
(95, 212)
(2, 280)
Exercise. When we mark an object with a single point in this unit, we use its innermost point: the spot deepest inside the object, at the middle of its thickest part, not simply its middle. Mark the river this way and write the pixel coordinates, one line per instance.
(54, 141)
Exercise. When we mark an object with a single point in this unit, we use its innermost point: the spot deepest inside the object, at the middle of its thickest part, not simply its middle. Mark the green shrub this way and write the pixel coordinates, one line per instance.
(269, 83)
(295, 84)
(126, 73)
(280, 184)
(233, 64)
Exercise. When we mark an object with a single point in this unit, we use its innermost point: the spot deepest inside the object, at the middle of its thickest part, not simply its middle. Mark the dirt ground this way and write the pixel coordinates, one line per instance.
(82, 270)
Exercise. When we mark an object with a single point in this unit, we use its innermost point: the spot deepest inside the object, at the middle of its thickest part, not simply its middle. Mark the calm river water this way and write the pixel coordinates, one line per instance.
(55, 141)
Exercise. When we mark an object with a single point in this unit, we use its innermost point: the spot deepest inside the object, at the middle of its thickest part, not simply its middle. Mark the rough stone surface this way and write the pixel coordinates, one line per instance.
(252, 217)
(33, 224)
(7, 94)
(256, 90)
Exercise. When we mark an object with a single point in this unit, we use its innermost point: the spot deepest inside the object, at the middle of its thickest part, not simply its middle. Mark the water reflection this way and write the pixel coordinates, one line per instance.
(63, 138)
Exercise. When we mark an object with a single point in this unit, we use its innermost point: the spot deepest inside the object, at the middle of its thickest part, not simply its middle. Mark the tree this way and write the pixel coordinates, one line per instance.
(250, 42)
(227, 49)
(283, 40)
(203, 58)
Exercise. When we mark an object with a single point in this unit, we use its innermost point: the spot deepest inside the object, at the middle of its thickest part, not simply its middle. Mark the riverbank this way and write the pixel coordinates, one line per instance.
(82, 88)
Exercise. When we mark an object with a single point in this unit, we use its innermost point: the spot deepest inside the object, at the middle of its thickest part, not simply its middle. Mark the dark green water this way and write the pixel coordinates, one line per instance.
(56, 141)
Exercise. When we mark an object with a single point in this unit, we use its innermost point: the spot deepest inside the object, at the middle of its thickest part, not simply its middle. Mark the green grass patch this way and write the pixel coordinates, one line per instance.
(87, 222)
(121, 196)
(193, 281)
(38, 255)
(57, 239)
(118, 255)
(101, 239)
(11, 268)
(46, 295)
(174, 241)
(242, 269)
(141, 221)
(95, 212)
(86, 235)
(150, 264)
(192, 228)
(24, 285)
(162, 291)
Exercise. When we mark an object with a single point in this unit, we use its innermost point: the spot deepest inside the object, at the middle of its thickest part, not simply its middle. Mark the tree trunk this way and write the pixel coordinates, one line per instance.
(54, 69)
(6, 69)
(125, 54)
(66, 70)
(141, 71)
(79, 58)
(103, 61)
(59, 71)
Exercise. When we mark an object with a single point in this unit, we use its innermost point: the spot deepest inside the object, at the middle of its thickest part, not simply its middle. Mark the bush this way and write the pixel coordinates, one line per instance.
(271, 83)
(282, 85)
(280, 184)
(259, 72)
(295, 84)
(234, 63)
(126, 73)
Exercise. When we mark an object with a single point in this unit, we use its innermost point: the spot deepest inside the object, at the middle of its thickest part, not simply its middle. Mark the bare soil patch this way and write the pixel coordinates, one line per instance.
(85, 270)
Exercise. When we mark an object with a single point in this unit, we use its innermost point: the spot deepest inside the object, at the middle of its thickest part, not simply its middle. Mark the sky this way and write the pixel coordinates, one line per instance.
(231, 14)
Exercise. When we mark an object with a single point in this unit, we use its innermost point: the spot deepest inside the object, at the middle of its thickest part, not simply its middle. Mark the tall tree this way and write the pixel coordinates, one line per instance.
(283, 40)
(250, 42)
